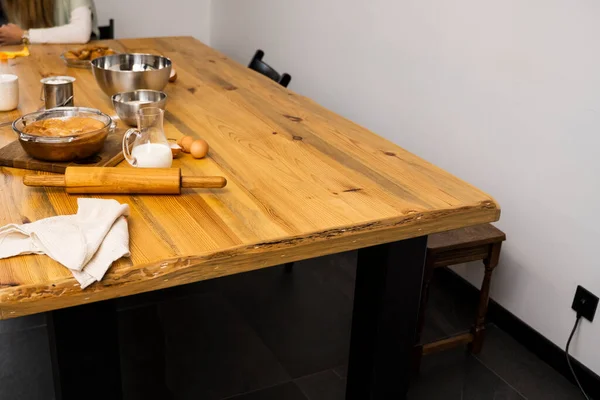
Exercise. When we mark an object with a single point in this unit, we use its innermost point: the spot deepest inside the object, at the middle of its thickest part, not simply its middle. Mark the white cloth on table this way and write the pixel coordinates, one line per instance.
(87, 243)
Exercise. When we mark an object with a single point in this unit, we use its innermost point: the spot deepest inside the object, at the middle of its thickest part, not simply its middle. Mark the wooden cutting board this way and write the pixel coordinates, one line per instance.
(13, 155)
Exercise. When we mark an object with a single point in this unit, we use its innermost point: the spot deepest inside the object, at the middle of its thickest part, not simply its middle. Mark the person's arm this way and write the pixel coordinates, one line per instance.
(78, 30)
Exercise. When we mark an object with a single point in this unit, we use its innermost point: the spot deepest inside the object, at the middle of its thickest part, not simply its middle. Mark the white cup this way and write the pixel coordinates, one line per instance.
(9, 92)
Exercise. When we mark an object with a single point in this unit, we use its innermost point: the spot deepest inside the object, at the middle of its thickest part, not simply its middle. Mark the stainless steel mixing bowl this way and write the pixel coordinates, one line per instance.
(127, 104)
(128, 72)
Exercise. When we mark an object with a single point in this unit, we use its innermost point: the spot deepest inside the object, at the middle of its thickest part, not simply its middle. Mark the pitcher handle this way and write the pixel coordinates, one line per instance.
(130, 159)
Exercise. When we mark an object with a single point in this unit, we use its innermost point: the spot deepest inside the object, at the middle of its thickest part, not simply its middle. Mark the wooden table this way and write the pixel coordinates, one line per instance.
(303, 182)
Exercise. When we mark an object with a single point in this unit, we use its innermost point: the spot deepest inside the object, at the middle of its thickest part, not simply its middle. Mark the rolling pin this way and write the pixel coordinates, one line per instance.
(82, 180)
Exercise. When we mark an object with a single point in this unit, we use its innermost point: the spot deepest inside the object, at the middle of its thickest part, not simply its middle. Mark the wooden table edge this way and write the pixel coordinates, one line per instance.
(22, 300)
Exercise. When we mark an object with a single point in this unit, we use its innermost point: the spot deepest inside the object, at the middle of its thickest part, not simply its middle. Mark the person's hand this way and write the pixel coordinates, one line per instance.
(11, 34)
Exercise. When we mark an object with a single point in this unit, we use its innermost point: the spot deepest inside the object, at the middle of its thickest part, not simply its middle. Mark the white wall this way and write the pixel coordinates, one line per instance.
(151, 18)
(505, 94)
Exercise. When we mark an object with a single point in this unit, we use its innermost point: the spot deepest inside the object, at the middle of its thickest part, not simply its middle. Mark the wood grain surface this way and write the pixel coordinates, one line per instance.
(7, 117)
(13, 155)
(302, 182)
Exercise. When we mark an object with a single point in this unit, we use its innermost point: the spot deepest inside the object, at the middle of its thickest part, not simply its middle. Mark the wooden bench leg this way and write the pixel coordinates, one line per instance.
(478, 329)
(418, 351)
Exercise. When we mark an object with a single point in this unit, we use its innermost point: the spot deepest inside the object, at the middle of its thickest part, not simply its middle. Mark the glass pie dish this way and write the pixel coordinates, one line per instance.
(63, 148)
(75, 62)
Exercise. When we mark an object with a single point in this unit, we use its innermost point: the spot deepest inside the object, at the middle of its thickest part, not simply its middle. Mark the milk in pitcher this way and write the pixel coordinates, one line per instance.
(152, 155)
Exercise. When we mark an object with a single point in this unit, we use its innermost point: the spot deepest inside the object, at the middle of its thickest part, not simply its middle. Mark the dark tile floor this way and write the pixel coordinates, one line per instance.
(269, 335)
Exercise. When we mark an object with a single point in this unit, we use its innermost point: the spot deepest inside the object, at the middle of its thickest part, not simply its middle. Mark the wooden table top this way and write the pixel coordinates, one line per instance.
(302, 182)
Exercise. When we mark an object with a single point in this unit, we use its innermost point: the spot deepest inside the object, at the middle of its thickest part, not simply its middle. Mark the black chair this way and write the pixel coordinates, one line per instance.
(108, 31)
(258, 65)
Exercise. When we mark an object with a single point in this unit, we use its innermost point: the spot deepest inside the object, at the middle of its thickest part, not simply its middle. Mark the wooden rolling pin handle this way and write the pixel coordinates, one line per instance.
(208, 182)
(45, 180)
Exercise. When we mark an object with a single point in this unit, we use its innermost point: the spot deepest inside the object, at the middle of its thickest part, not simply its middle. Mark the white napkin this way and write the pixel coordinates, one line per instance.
(87, 243)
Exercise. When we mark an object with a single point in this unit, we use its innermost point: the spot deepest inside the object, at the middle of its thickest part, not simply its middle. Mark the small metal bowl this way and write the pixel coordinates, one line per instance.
(120, 73)
(129, 103)
(65, 148)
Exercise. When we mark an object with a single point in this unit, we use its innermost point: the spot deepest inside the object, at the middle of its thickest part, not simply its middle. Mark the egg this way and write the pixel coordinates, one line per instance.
(186, 143)
(179, 140)
(175, 149)
(173, 76)
(199, 148)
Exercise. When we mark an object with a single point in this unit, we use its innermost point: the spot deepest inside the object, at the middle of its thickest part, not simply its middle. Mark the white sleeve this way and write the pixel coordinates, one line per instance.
(78, 30)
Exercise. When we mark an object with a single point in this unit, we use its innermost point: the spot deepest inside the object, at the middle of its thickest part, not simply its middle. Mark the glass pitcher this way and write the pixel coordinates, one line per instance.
(150, 148)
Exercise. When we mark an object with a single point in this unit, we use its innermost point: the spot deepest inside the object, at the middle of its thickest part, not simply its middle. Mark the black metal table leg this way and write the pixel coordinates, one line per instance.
(384, 320)
(84, 345)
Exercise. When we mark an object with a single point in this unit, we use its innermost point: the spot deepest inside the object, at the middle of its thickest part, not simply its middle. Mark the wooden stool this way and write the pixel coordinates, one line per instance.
(481, 242)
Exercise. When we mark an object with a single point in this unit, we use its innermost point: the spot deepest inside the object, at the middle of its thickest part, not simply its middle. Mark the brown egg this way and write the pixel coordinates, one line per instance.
(175, 149)
(199, 148)
(173, 76)
(180, 139)
(186, 143)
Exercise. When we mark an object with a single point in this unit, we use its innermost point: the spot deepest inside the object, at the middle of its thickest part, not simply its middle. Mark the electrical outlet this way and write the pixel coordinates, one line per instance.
(585, 303)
